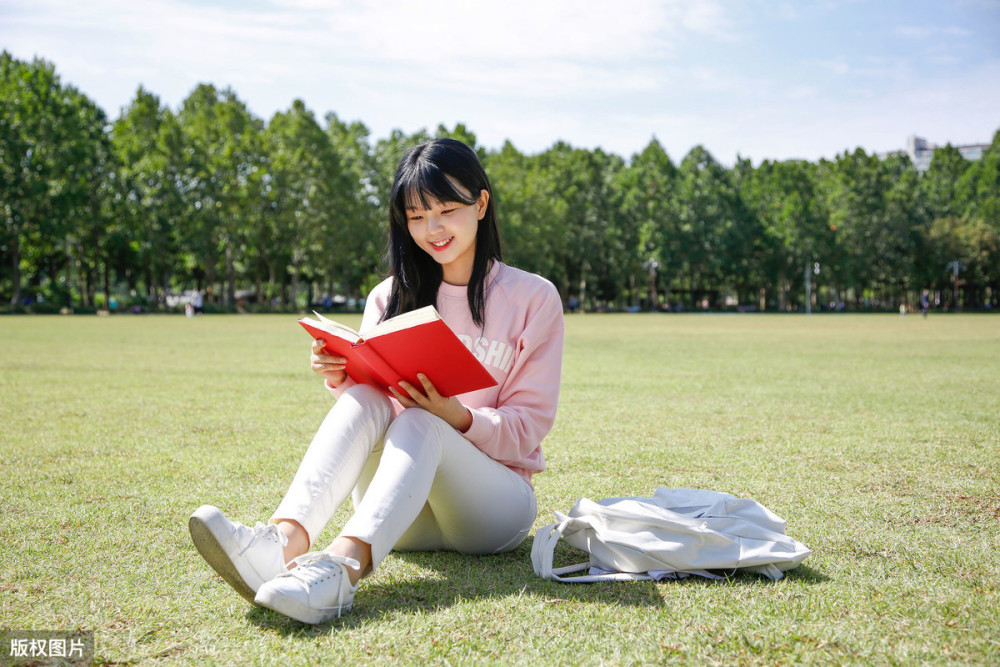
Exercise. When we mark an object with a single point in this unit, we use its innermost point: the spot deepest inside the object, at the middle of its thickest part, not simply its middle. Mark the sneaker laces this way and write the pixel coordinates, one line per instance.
(323, 564)
(261, 530)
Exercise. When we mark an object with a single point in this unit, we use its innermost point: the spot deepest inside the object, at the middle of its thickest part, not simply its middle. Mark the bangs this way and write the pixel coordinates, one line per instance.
(424, 185)
(441, 171)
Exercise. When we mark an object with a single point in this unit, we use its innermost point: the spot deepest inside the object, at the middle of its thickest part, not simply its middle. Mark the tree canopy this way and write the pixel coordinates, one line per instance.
(292, 211)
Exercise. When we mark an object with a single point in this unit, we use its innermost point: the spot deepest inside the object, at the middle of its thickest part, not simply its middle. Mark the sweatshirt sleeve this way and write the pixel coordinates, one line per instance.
(512, 432)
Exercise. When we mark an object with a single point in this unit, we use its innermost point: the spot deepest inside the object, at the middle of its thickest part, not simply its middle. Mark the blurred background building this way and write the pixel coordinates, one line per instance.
(921, 151)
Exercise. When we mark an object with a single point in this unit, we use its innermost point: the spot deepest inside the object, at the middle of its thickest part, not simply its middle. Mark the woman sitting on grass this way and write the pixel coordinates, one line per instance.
(428, 472)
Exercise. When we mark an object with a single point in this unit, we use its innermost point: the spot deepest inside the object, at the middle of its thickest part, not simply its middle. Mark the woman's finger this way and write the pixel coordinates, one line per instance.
(428, 385)
(405, 401)
(329, 359)
(414, 393)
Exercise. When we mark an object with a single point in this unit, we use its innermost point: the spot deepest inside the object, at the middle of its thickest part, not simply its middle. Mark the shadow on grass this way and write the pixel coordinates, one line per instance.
(450, 578)
(807, 575)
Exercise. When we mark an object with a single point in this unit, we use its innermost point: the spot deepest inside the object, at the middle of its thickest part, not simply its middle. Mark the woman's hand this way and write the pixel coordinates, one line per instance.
(327, 365)
(448, 409)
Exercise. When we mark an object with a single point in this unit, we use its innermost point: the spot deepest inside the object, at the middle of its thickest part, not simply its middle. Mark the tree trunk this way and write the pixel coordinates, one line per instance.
(88, 286)
(147, 278)
(165, 282)
(258, 288)
(654, 297)
(270, 283)
(68, 268)
(83, 284)
(229, 298)
(294, 298)
(209, 272)
(107, 284)
(15, 258)
(782, 293)
(690, 287)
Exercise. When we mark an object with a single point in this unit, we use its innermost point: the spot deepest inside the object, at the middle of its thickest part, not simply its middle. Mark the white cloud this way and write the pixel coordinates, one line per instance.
(838, 65)
(925, 32)
(589, 72)
(706, 18)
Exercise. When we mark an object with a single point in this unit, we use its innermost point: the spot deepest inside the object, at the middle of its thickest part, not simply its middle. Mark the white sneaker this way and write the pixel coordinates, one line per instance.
(245, 557)
(316, 590)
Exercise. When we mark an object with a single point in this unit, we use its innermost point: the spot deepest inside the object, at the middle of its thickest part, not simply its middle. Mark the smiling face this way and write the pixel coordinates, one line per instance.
(447, 231)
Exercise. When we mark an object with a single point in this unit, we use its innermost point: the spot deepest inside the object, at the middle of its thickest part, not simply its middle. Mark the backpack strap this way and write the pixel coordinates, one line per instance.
(543, 548)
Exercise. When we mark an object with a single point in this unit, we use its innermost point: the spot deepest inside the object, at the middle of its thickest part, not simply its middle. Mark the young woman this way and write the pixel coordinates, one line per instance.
(427, 472)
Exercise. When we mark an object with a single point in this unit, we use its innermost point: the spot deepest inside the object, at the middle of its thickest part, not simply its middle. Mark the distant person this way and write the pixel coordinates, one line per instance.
(427, 472)
(197, 302)
(925, 302)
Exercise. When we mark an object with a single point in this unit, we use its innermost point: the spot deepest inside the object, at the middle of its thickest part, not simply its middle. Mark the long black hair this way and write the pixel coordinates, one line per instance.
(426, 174)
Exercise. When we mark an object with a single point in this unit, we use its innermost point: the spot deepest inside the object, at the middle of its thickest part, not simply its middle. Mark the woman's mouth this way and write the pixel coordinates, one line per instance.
(443, 243)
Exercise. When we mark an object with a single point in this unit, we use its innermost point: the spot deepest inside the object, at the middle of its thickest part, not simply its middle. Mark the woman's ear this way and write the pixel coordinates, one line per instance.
(484, 200)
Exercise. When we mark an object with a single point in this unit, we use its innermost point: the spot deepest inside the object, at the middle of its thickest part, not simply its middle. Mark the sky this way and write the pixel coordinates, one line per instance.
(756, 79)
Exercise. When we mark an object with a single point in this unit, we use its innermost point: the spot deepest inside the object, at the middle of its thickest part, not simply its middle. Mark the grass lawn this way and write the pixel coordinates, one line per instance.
(876, 437)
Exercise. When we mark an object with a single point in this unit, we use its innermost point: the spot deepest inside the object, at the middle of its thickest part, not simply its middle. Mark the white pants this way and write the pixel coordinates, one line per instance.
(417, 484)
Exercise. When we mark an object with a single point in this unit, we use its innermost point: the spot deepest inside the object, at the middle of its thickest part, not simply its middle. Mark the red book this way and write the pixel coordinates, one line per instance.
(398, 348)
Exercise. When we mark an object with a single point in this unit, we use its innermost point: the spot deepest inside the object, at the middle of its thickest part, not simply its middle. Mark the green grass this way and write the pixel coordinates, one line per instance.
(876, 437)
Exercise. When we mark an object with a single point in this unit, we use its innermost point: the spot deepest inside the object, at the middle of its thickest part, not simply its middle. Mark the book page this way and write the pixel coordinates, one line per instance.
(404, 321)
(336, 328)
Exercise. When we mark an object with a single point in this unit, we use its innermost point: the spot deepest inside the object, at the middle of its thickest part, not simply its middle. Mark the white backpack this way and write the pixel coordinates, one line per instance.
(674, 534)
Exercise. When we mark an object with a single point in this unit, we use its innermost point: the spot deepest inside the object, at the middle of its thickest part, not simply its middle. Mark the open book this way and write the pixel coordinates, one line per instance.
(398, 348)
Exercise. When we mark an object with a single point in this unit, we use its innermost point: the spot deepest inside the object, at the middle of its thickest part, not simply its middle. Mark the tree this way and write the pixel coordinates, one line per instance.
(304, 204)
(706, 213)
(525, 211)
(53, 158)
(906, 223)
(148, 203)
(979, 187)
(979, 190)
(363, 238)
(940, 183)
(744, 244)
(962, 200)
(649, 220)
(223, 181)
(797, 234)
(88, 149)
(853, 189)
(584, 210)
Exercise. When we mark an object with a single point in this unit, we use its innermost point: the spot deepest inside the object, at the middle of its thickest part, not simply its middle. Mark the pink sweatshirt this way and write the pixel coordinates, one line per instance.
(521, 345)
